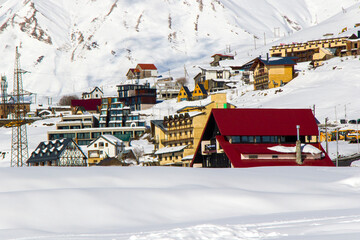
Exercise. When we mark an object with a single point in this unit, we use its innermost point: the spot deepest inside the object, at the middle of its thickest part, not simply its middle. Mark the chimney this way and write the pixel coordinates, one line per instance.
(267, 56)
(298, 146)
(358, 34)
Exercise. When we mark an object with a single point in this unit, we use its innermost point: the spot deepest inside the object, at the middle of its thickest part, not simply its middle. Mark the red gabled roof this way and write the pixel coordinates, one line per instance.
(265, 122)
(146, 66)
(88, 104)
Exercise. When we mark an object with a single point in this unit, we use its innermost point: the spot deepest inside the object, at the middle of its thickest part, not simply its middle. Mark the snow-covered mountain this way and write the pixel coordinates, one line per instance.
(69, 46)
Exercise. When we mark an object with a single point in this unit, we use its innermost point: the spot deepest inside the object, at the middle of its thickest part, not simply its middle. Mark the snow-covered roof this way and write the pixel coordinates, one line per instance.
(170, 149)
(50, 150)
(231, 63)
(210, 68)
(188, 157)
(112, 139)
(305, 148)
(195, 113)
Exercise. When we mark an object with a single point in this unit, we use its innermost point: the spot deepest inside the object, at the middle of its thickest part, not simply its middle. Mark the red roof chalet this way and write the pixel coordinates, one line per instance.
(259, 137)
(144, 66)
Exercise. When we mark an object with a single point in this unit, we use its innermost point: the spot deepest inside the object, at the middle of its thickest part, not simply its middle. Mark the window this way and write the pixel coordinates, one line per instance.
(247, 139)
(275, 156)
(106, 144)
(95, 145)
(253, 156)
(83, 135)
(266, 139)
(101, 144)
(95, 134)
(235, 139)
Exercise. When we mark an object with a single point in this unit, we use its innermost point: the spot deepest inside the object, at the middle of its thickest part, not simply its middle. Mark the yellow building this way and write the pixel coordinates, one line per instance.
(323, 55)
(177, 136)
(198, 93)
(184, 94)
(305, 51)
(311, 50)
(272, 72)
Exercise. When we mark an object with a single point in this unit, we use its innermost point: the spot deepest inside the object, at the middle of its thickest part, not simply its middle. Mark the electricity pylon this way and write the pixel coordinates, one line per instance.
(19, 143)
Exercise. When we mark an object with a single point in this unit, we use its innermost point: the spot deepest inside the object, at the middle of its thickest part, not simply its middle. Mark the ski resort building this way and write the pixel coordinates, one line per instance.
(96, 93)
(260, 137)
(184, 94)
(176, 136)
(115, 114)
(83, 129)
(199, 92)
(77, 122)
(166, 88)
(137, 96)
(308, 51)
(272, 72)
(214, 78)
(142, 70)
(220, 57)
(105, 146)
(62, 152)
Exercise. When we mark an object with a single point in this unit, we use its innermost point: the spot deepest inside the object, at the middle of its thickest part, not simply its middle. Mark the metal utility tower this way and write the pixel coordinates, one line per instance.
(19, 143)
(4, 96)
(4, 87)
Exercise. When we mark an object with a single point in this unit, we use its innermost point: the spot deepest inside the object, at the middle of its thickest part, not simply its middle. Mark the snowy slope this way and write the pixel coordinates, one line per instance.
(179, 203)
(332, 89)
(69, 46)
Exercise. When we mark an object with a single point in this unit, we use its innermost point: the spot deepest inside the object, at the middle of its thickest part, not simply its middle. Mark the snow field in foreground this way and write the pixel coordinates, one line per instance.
(179, 203)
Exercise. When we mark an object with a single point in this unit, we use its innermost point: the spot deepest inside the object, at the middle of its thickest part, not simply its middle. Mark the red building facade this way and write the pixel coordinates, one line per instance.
(260, 137)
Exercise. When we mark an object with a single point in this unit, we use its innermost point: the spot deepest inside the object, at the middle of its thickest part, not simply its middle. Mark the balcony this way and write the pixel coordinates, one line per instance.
(176, 130)
(262, 72)
(177, 140)
(261, 79)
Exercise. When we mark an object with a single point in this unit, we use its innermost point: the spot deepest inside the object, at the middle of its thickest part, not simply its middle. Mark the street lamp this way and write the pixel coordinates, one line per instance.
(337, 146)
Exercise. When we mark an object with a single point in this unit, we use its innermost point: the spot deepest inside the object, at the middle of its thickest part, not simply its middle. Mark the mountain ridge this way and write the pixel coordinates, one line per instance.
(85, 43)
